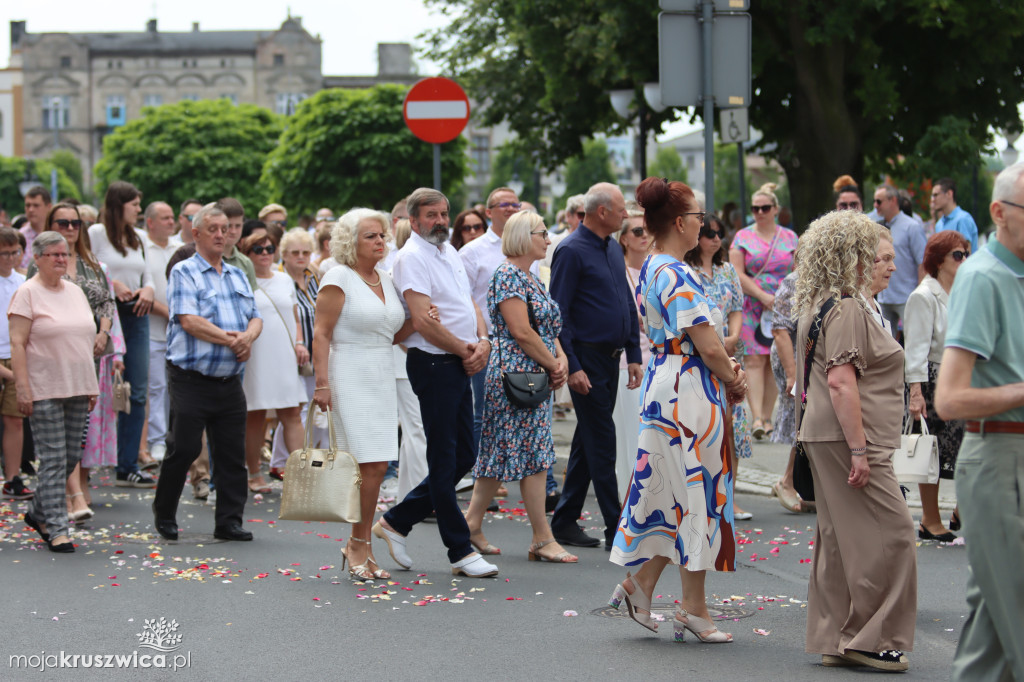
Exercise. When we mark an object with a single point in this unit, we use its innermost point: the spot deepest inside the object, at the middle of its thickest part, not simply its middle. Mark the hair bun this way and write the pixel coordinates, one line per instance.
(768, 188)
(652, 193)
(843, 181)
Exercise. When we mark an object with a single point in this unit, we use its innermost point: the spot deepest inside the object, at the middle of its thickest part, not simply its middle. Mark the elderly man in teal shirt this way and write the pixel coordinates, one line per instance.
(982, 381)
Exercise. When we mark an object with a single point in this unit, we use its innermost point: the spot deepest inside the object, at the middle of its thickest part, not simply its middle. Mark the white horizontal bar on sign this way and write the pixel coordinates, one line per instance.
(440, 109)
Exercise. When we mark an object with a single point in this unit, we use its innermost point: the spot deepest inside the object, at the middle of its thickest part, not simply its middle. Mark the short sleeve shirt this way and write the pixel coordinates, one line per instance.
(672, 300)
(986, 317)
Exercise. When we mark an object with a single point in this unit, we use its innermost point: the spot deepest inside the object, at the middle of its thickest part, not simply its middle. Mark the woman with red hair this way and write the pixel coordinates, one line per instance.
(925, 334)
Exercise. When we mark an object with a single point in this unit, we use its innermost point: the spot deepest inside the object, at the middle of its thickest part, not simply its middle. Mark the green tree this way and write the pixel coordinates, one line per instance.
(668, 164)
(592, 166)
(65, 159)
(346, 148)
(509, 165)
(207, 149)
(839, 87)
(14, 170)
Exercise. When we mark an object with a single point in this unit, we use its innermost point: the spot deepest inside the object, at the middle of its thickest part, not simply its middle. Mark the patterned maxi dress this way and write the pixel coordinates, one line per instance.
(785, 414)
(724, 290)
(780, 262)
(515, 442)
(680, 499)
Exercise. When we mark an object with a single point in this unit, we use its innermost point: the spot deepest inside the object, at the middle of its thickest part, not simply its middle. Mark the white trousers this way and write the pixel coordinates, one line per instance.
(626, 416)
(412, 454)
(159, 406)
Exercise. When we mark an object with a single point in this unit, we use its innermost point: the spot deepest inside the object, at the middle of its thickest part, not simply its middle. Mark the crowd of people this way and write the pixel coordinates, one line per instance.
(679, 339)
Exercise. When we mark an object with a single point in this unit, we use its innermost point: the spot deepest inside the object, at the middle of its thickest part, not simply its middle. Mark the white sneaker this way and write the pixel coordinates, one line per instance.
(389, 488)
(211, 498)
(474, 566)
(396, 545)
(464, 485)
(158, 451)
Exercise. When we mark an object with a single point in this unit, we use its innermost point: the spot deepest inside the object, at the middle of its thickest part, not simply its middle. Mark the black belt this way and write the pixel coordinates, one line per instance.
(603, 348)
(199, 375)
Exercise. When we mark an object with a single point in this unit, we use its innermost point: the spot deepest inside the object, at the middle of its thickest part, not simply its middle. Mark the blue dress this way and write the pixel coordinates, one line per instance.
(515, 442)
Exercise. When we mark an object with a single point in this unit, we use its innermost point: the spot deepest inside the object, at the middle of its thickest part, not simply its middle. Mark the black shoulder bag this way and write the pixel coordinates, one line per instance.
(524, 389)
(803, 479)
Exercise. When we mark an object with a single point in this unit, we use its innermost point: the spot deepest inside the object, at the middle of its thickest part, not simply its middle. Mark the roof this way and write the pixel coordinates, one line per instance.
(192, 42)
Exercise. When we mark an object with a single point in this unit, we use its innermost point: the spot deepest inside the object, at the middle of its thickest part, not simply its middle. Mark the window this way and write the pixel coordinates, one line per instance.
(115, 110)
(278, 60)
(190, 97)
(152, 100)
(56, 112)
(481, 154)
(288, 101)
(65, 62)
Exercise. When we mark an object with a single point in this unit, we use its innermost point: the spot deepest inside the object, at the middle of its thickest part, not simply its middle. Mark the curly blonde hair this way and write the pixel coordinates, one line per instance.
(346, 233)
(837, 254)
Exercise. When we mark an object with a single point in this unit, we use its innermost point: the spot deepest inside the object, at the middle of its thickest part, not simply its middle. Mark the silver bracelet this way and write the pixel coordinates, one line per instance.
(859, 452)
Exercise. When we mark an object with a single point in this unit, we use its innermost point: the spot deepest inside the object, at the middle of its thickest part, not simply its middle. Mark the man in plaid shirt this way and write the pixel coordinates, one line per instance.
(213, 321)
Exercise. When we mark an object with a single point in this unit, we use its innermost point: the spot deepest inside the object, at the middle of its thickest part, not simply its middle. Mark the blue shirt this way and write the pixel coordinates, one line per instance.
(961, 221)
(908, 239)
(224, 299)
(588, 280)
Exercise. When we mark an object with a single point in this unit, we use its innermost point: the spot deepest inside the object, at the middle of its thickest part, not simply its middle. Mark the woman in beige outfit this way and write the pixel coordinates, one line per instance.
(862, 596)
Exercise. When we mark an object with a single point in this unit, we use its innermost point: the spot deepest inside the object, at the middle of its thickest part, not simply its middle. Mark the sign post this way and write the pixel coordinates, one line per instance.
(436, 110)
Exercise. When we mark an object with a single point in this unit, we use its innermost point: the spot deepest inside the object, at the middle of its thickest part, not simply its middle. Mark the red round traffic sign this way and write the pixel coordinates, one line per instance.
(436, 110)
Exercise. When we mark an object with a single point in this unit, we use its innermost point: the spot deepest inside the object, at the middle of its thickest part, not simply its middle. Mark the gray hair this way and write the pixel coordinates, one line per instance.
(598, 195)
(424, 196)
(700, 198)
(297, 236)
(515, 238)
(574, 203)
(1007, 181)
(210, 210)
(46, 240)
(154, 206)
(890, 191)
(346, 233)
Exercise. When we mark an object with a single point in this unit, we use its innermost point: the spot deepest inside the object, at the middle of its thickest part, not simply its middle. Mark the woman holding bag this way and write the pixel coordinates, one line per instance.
(762, 254)
(925, 334)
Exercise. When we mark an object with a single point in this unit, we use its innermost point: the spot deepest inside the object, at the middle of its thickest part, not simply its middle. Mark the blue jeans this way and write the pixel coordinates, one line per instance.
(136, 373)
(446, 403)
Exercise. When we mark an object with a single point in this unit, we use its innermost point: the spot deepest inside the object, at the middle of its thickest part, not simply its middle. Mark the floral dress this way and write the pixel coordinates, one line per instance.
(101, 425)
(516, 442)
(785, 415)
(779, 262)
(679, 503)
(724, 290)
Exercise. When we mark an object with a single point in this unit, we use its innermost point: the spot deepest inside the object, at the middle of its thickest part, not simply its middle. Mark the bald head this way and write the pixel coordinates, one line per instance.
(605, 208)
(160, 223)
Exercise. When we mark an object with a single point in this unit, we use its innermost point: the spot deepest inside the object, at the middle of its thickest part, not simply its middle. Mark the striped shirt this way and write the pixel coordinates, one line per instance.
(307, 302)
(224, 299)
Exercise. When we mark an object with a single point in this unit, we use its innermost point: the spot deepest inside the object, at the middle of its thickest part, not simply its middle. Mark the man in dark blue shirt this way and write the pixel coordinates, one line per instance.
(588, 279)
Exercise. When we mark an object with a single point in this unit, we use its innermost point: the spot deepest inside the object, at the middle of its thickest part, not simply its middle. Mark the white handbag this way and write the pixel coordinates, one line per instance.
(917, 458)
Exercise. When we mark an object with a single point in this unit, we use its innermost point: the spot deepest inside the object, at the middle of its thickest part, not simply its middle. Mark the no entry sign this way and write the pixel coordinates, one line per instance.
(436, 110)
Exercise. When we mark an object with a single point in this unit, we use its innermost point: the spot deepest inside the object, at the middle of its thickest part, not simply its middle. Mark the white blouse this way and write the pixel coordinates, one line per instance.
(130, 269)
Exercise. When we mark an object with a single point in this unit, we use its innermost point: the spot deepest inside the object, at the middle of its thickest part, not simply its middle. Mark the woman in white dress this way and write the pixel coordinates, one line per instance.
(359, 316)
(268, 383)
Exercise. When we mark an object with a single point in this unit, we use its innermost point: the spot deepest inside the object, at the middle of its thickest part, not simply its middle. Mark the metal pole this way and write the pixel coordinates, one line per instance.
(743, 183)
(437, 167)
(707, 9)
(642, 151)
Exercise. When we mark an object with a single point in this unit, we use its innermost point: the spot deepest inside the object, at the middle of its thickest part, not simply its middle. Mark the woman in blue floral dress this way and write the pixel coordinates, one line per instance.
(516, 442)
(679, 508)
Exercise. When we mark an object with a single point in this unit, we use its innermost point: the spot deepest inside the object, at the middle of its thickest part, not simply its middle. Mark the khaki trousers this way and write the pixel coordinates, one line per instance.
(989, 487)
(863, 589)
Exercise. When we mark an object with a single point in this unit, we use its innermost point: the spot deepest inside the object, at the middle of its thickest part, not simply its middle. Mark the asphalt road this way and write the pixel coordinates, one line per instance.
(281, 608)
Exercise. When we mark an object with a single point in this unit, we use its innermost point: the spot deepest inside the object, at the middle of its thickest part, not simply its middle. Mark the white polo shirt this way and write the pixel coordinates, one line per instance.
(481, 257)
(438, 273)
(8, 285)
(157, 258)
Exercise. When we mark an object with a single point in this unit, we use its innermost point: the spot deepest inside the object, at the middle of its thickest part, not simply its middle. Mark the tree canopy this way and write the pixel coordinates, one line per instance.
(13, 171)
(207, 149)
(839, 87)
(346, 148)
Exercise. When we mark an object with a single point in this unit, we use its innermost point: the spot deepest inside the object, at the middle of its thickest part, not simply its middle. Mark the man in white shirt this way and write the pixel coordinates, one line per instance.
(160, 246)
(442, 357)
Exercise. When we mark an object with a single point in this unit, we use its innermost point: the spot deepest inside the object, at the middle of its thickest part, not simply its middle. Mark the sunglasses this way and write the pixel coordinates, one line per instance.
(260, 250)
(64, 223)
(508, 204)
(762, 209)
(852, 206)
(959, 255)
(280, 223)
(467, 227)
(878, 202)
(708, 233)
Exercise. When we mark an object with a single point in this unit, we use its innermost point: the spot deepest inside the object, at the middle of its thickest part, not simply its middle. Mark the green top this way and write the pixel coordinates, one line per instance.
(985, 318)
(240, 260)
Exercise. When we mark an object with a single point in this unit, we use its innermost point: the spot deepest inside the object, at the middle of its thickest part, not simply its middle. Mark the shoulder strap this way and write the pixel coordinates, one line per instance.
(771, 251)
(278, 311)
(812, 345)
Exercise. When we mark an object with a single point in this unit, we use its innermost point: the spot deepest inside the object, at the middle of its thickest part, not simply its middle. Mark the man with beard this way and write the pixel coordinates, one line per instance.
(441, 359)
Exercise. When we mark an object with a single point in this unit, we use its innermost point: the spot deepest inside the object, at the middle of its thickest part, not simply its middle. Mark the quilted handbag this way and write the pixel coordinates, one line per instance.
(121, 394)
(917, 458)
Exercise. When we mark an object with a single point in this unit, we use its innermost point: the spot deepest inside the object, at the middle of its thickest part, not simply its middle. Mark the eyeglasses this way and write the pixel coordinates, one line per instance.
(11, 254)
(260, 250)
(959, 255)
(638, 231)
(581, 214)
(699, 214)
(466, 227)
(851, 206)
(508, 204)
(280, 223)
(64, 255)
(299, 253)
(1010, 203)
(709, 233)
(64, 223)
(543, 233)
(878, 202)
(325, 219)
(766, 208)
(188, 217)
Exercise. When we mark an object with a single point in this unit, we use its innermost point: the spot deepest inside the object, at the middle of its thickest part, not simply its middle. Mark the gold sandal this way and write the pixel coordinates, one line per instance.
(563, 557)
(640, 611)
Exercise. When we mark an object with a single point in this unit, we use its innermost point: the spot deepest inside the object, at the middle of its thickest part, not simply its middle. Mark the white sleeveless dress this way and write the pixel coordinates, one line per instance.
(361, 370)
(272, 378)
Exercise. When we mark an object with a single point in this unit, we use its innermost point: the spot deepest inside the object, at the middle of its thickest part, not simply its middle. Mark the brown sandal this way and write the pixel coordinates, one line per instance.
(562, 557)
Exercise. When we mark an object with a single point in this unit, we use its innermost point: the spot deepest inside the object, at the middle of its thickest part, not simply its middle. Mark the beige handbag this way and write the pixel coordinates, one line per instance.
(321, 485)
(917, 458)
(121, 394)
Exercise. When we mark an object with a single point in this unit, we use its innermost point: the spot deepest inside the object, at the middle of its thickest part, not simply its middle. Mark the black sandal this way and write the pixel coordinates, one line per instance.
(34, 525)
(954, 520)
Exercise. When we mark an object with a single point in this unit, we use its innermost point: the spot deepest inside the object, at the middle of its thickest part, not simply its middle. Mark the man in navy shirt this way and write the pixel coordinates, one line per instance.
(588, 280)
